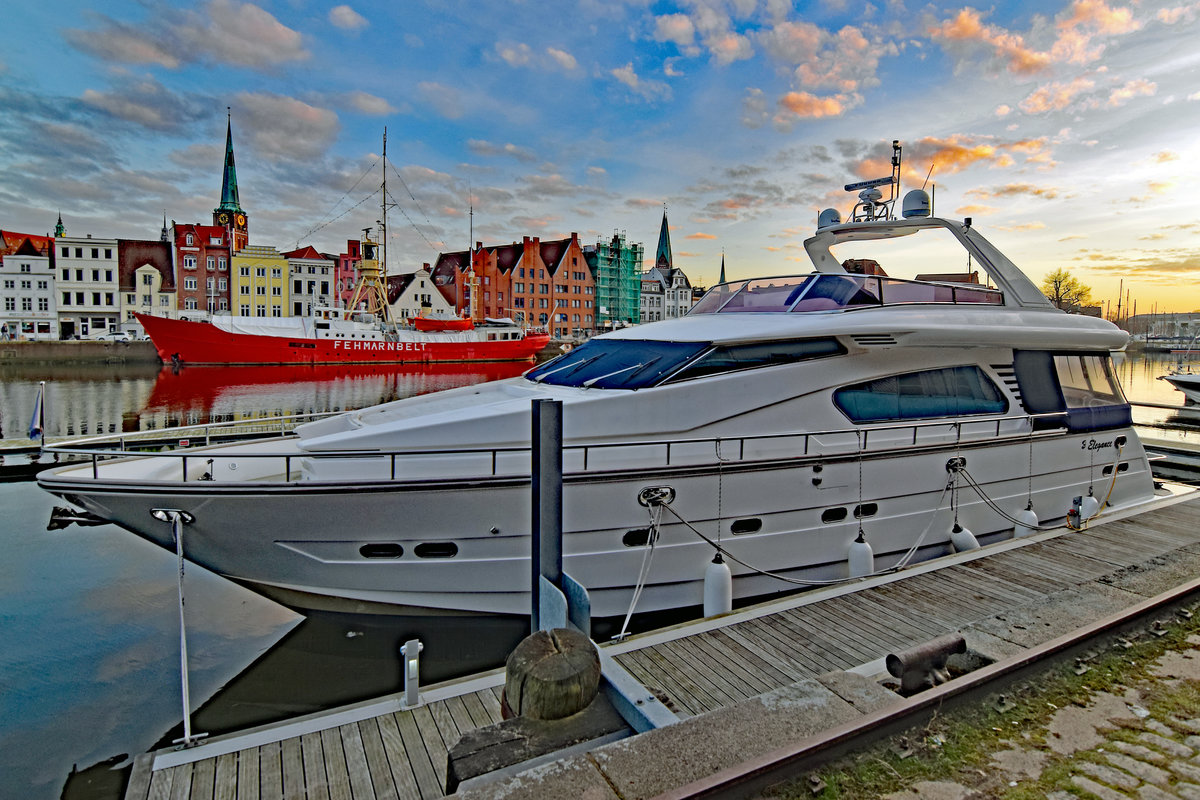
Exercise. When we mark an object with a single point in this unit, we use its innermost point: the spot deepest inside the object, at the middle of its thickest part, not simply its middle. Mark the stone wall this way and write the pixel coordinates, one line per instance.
(77, 352)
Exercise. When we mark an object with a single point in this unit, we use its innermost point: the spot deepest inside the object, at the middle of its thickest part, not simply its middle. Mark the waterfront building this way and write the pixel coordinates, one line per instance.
(87, 285)
(617, 266)
(545, 284)
(201, 258)
(312, 276)
(413, 295)
(346, 274)
(147, 280)
(29, 303)
(260, 282)
(666, 290)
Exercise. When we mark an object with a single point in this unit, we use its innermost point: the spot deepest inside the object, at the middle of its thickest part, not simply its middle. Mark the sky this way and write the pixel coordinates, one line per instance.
(1068, 131)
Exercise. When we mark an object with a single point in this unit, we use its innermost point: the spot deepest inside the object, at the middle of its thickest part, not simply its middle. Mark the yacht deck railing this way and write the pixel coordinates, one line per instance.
(595, 458)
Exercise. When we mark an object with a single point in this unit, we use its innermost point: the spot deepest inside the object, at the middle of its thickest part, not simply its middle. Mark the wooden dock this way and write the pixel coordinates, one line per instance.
(380, 750)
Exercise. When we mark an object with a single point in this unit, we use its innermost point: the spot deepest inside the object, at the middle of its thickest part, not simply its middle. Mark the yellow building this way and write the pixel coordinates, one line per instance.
(260, 282)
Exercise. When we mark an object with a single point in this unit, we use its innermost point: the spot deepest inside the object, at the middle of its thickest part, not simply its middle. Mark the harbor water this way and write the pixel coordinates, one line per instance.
(89, 668)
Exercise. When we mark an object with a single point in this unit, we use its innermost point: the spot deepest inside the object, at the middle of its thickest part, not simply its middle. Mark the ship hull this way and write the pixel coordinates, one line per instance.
(203, 343)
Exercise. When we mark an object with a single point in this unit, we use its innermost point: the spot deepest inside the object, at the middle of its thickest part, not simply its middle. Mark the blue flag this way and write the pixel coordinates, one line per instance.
(37, 423)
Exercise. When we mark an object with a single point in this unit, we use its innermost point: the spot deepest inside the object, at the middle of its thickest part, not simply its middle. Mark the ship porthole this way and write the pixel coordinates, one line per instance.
(436, 550)
(381, 550)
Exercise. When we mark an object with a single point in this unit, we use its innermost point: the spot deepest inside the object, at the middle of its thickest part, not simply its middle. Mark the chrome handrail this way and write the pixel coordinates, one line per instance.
(1028, 424)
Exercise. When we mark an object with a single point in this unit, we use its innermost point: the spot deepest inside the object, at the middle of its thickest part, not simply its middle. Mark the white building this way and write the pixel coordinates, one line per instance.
(414, 294)
(312, 276)
(87, 286)
(27, 282)
(666, 294)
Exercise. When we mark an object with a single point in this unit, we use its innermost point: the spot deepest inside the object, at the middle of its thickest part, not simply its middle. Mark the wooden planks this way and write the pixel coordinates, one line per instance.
(402, 755)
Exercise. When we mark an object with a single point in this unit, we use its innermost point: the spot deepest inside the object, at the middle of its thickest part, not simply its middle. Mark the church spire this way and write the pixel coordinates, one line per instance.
(722, 278)
(59, 229)
(662, 259)
(229, 187)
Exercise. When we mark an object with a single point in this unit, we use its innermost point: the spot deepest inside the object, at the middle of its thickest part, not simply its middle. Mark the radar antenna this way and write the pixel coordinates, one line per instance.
(871, 205)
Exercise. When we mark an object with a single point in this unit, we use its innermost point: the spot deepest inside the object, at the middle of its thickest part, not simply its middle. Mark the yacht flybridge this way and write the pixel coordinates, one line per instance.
(793, 423)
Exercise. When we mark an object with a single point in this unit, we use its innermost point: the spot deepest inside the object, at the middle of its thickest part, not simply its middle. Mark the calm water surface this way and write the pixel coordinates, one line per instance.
(89, 670)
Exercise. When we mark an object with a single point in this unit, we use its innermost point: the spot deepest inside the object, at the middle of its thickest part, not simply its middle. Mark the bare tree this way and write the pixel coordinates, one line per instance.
(1066, 291)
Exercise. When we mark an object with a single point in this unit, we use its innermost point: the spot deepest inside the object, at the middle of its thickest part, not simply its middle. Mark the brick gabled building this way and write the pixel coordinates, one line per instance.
(545, 284)
(202, 260)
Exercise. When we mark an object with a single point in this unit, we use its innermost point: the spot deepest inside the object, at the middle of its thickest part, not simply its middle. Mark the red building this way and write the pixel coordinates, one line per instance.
(202, 258)
(546, 284)
(346, 272)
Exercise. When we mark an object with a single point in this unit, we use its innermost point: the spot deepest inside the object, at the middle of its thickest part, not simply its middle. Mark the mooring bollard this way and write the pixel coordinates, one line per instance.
(411, 650)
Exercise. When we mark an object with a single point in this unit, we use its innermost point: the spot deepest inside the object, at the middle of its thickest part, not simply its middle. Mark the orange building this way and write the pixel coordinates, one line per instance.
(536, 283)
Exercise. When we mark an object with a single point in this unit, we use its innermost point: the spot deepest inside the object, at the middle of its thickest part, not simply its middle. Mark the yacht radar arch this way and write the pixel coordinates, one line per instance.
(872, 218)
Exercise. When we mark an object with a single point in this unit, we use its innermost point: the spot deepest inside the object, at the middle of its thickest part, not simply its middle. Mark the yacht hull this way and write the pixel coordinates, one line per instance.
(463, 545)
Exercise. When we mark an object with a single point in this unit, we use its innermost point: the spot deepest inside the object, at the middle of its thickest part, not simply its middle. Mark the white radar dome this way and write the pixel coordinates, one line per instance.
(916, 204)
(829, 216)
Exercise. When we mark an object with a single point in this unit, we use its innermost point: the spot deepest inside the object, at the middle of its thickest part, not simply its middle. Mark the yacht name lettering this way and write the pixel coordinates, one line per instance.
(338, 344)
(1092, 444)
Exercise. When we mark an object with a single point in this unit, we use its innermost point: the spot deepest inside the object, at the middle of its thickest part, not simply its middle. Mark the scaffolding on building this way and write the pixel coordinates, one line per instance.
(618, 284)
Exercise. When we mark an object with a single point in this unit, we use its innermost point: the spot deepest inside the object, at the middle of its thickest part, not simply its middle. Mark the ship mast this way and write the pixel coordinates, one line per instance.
(372, 274)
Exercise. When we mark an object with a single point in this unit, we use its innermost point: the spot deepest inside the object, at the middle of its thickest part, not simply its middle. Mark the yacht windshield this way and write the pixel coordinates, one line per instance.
(616, 363)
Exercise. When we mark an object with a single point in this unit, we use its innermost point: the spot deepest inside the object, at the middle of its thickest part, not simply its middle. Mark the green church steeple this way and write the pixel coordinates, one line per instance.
(229, 187)
(662, 258)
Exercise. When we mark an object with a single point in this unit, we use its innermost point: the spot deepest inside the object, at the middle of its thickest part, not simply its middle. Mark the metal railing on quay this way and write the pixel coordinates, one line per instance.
(844, 443)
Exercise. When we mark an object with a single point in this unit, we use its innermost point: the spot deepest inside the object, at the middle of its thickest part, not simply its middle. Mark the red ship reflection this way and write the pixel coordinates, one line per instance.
(203, 394)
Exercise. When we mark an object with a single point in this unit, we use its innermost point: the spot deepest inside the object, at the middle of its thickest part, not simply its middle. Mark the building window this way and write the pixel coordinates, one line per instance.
(212, 263)
(189, 304)
(261, 272)
(243, 289)
(244, 310)
(221, 265)
(189, 262)
(108, 252)
(108, 298)
(222, 284)
(10, 304)
(276, 311)
(43, 304)
(244, 272)
(66, 252)
(260, 311)
(95, 252)
(276, 272)
(189, 284)
(224, 304)
(190, 240)
(79, 252)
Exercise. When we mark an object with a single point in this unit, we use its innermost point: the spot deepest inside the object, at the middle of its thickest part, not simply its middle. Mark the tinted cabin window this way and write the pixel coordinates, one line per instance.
(728, 358)
(616, 363)
(951, 392)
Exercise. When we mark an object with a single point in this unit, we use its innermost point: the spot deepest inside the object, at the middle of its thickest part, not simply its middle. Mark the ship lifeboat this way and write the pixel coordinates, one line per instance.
(436, 324)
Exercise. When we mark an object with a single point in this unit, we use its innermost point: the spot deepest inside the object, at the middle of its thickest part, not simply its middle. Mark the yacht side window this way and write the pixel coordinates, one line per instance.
(1087, 381)
(950, 392)
(732, 358)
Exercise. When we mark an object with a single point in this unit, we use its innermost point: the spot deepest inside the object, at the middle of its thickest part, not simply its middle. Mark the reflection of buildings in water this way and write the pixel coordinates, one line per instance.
(80, 400)
(93, 399)
(203, 394)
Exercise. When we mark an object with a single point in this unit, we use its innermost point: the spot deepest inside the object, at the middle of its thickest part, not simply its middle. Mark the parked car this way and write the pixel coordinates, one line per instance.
(113, 336)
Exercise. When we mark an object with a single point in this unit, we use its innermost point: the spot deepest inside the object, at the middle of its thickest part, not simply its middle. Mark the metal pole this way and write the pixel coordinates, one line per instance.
(546, 557)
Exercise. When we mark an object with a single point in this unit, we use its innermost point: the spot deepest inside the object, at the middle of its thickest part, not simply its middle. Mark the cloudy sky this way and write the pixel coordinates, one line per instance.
(1069, 131)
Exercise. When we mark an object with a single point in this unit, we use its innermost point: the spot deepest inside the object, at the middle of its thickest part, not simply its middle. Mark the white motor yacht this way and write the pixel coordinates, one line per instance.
(787, 420)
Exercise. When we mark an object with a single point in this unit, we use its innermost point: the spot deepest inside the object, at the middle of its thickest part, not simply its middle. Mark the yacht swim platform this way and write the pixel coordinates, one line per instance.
(1007, 597)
